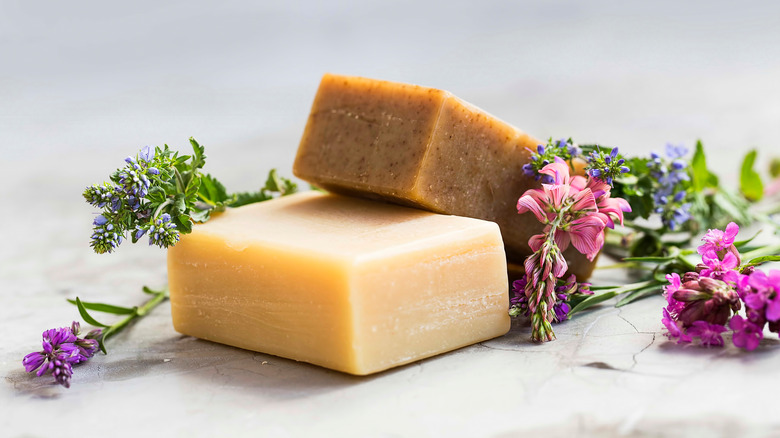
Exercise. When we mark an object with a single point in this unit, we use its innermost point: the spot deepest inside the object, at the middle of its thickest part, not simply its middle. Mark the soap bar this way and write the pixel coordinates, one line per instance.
(424, 148)
(349, 284)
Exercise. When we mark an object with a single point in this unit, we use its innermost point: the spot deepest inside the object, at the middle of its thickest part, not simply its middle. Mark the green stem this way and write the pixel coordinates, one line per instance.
(139, 312)
(160, 207)
(627, 265)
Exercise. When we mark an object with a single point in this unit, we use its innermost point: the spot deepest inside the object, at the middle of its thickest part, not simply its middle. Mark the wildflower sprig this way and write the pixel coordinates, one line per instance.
(160, 194)
(62, 348)
(705, 302)
(574, 211)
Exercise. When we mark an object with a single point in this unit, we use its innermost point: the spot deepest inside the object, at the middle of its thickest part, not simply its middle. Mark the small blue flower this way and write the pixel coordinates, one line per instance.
(163, 232)
(670, 174)
(146, 154)
(606, 167)
(105, 235)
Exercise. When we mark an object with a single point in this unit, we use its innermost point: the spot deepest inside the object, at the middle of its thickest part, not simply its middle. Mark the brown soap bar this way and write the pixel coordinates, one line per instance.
(425, 148)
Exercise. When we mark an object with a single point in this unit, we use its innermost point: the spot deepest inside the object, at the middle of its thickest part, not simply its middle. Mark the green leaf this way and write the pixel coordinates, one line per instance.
(702, 177)
(212, 191)
(749, 180)
(86, 316)
(740, 244)
(106, 308)
(650, 259)
(247, 198)
(185, 224)
(638, 294)
(199, 157)
(200, 216)
(592, 301)
(760, 260)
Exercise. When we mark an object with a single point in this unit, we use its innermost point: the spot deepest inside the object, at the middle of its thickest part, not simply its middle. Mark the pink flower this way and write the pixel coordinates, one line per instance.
(582, 208)
(674, 329)
(709, 334)
(720, 269)
(717, 240)
(674, 285)
(767, 288)
(747, 334)
(587, 235)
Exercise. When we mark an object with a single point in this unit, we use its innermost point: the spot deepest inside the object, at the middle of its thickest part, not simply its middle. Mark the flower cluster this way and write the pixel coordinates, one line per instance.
(62, 348)
(670, 177)
(574, 211)
(703, 303)
(606, 167)
(162, 232)
(124, 202)
(544, 155)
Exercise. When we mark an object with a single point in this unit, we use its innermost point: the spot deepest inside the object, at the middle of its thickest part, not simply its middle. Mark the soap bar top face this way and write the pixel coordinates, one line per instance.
(424, 148)
(354, 285)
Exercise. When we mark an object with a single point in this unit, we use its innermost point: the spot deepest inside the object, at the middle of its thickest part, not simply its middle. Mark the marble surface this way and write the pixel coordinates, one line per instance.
(84, 85)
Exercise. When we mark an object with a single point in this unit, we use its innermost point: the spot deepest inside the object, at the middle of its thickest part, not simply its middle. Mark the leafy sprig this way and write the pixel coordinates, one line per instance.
(162, 194)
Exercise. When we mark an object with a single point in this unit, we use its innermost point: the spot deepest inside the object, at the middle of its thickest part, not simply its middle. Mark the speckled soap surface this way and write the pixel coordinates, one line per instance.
(422, 147)
(85, 85)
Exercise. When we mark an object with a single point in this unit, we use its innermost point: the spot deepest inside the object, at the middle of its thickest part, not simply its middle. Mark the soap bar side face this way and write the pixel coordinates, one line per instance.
(285, 303)
(474, 168)
(367, 134)
(421, 303)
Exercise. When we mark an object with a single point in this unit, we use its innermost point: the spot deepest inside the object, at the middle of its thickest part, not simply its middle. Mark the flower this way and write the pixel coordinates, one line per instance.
(766, 293)
(747, 334)
(577, 208)
(606, 167)
(569, 209)
(105, 235)
(706, 299)
(716, 268)
(674, 330)
(669, 191)
(717, 240)
(104, 195)
(62, 348)
(709, 334)
(162, 232)
(673, 306)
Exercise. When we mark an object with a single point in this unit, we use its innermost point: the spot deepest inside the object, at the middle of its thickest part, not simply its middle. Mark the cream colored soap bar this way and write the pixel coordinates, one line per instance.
(349, 284)
(424, 148)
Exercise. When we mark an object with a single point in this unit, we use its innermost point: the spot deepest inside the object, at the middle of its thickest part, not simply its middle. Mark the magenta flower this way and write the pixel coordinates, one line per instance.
(767, 292)
(674, 306)
(674, 329)
(720, 269)
(709, 334)
(747, 334)
(717, 240)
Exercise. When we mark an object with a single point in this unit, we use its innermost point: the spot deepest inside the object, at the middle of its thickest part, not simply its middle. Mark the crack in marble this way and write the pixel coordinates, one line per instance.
(633, 357)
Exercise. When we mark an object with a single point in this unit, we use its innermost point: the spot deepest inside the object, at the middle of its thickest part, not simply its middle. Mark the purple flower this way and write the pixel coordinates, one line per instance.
(674, 329)
(561, 309)
(709, 334)
(146, 154)
(62, 348)
(747, 334)
(163, 232)
(674, 151)
(717, 240)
